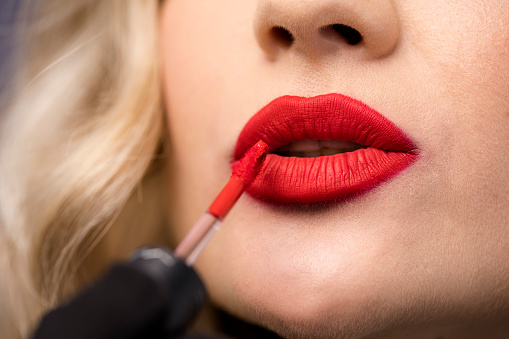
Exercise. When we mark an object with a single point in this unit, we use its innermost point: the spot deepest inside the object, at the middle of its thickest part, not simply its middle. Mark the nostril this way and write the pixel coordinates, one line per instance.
(351, 35)
(282, 35)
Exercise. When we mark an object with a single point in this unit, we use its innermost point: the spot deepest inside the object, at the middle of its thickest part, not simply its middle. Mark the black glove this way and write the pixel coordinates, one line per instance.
(155, 295)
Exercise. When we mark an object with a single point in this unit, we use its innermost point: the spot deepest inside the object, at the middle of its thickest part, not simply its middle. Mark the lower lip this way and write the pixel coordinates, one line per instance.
(331, 178)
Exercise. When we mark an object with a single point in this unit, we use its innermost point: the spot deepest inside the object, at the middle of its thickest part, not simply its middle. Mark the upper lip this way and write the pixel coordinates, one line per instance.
(327, 117)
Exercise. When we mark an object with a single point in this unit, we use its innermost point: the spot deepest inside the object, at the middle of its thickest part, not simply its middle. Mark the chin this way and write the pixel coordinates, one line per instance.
(296, 307)
(312, 312)
(299, 320)
(395, 314)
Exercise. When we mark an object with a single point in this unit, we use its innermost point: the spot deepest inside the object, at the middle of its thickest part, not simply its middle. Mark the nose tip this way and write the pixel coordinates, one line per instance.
(314, 27)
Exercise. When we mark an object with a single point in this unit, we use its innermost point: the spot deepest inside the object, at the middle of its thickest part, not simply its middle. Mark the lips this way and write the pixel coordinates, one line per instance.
(370, 149)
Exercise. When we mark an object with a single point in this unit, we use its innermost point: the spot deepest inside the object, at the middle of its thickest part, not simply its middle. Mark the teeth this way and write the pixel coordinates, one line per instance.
(347, 146)
(316, 148)
(301, 146)
(330, 151)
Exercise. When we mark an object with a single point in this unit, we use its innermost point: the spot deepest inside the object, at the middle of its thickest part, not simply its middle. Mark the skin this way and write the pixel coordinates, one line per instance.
(423, 255)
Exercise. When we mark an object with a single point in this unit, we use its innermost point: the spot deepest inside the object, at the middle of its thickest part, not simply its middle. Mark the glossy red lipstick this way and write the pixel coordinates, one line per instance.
(385, 151)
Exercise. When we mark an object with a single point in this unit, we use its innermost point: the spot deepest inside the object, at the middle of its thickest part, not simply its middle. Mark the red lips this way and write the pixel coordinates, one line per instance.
(289, 179)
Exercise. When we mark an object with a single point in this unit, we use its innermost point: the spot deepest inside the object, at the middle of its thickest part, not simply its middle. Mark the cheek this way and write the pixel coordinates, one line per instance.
(465, 43)
(460, 55)
(204, 51)
(465, 53)
(190, 103)
(204, 54)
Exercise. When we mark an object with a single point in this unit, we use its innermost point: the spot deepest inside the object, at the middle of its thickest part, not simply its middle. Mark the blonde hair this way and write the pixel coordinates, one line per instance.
(75, 142)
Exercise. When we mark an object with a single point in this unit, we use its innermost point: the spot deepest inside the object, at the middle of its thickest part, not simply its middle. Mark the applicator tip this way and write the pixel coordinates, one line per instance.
(244, 172)
(248, 167)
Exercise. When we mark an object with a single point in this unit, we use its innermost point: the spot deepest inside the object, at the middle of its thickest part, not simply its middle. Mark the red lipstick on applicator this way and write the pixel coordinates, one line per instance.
(244, 172)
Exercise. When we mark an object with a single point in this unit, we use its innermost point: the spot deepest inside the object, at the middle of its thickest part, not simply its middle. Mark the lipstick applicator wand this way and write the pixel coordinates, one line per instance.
(157, 293)
(243, 173)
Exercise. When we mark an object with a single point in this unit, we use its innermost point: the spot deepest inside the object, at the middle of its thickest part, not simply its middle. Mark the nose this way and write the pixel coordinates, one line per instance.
(317, 27)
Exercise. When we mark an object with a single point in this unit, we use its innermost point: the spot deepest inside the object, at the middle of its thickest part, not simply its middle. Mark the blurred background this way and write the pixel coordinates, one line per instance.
(7, 18)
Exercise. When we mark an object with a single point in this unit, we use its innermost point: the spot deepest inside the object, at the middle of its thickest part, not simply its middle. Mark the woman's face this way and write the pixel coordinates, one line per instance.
(425, 247)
